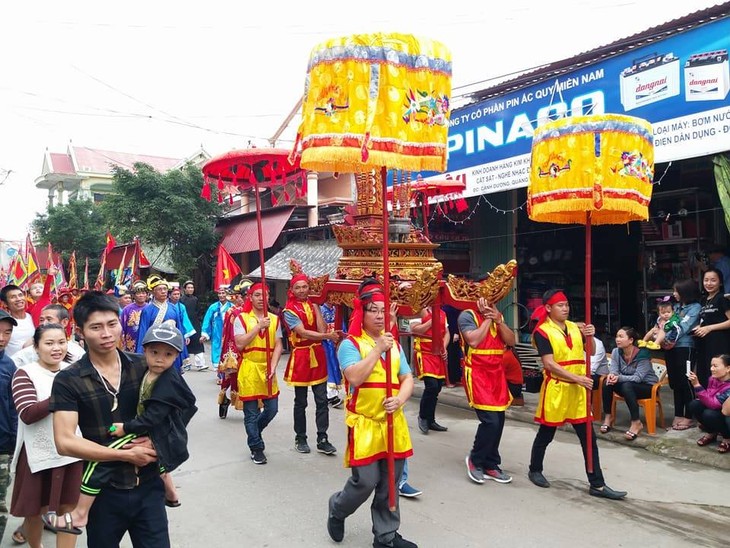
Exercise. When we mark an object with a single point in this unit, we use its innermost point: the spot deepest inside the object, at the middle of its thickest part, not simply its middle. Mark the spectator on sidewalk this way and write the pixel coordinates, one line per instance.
(8, 415)
(688, 309)
(98, 390)
(14, 299)
(631, 376)
(707, 409)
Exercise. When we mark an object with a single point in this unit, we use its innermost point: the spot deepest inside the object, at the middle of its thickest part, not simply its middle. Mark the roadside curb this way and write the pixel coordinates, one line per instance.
(673, 444)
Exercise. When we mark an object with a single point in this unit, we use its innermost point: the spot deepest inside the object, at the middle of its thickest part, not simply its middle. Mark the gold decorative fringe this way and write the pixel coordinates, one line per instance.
(617, 211)
(349, 160)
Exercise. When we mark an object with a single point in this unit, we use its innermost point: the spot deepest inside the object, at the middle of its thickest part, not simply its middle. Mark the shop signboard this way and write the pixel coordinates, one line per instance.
(680, 84)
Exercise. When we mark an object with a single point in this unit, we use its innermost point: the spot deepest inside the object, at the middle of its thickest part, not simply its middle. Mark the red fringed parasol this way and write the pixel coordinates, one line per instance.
(251, 170)
(421, 191)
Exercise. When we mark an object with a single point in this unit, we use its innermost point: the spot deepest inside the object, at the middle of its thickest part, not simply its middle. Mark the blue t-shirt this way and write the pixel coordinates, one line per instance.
(291, 319)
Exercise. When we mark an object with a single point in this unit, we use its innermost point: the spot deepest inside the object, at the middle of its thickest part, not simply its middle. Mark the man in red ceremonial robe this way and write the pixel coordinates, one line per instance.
(484, 336)
(307, 363)
(430, 367)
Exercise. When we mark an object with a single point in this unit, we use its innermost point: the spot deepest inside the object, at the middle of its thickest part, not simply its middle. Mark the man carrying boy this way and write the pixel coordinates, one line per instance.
(166, 405)
(100, 389)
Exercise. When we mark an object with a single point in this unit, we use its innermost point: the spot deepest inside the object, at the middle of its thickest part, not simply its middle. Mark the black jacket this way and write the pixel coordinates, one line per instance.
(8, 415)
(167, 413)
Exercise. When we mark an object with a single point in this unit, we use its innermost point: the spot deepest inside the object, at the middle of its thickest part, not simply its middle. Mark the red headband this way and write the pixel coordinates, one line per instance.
(247, 304)
(541, 314)
(256, 287)
(291, 299)
(298, 278)
(372, 294)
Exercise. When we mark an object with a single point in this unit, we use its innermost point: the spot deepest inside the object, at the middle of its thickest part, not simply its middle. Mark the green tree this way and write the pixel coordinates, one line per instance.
(164, 210)
(75, 226)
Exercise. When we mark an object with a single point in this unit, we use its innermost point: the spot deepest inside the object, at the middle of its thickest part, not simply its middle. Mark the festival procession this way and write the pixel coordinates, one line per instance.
(429, 301)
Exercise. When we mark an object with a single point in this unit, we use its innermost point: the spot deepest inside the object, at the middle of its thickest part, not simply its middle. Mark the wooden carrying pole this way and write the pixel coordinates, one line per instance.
(388, 375)
(588, 347)
(264, 291)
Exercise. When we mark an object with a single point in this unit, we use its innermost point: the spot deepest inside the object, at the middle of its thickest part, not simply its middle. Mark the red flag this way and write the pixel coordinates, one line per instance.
(110, 243)
(226, 268)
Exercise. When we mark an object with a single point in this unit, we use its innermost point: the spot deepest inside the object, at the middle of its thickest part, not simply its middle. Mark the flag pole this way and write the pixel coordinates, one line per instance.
(259, 226)
(388, 375)
(588, 346)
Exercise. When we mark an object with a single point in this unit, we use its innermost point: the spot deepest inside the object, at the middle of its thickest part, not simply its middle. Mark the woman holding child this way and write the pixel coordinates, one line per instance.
(687, 295)
(44, 480)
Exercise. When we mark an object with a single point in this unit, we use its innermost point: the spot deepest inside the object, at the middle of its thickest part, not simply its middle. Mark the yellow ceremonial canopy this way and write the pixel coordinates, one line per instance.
(601, 164)
(376, 100)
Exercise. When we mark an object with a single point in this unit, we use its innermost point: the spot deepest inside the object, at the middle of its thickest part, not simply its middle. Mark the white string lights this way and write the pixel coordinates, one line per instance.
(481, 199)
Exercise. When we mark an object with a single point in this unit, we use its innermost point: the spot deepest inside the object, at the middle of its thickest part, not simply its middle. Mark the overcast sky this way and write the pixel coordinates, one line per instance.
(164, 78)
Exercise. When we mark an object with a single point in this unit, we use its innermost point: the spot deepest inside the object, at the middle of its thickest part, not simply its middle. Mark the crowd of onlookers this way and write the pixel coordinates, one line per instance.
(88, 434)
(692, 337)
(59, 480)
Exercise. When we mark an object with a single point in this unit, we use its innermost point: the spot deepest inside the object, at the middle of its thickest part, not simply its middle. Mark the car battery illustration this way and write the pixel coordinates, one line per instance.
(707, 76)
(649, 79)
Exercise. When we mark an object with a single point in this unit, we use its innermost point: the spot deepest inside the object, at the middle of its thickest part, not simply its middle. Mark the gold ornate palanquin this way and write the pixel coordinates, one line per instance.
(416, 276)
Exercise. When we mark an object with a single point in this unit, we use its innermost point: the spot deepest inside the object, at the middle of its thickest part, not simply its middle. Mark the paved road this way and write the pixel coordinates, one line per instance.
(227, 500)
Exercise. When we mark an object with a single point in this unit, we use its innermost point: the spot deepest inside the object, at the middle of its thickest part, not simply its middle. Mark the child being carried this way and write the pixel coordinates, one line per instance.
(664, 333)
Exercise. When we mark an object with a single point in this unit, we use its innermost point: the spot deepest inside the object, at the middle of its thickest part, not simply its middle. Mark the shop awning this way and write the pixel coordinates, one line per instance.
(317, 257)
(242, 235)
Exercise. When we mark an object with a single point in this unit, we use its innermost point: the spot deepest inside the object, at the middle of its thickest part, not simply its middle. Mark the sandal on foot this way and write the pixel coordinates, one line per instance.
(60, 524)
(631, 436)
(605, 428)
(707, 439)
(19, 536)
(724, 446)
(172, 503)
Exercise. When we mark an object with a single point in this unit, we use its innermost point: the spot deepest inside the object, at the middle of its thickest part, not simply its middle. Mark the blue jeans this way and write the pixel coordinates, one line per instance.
(404, 475)
(255, 420)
